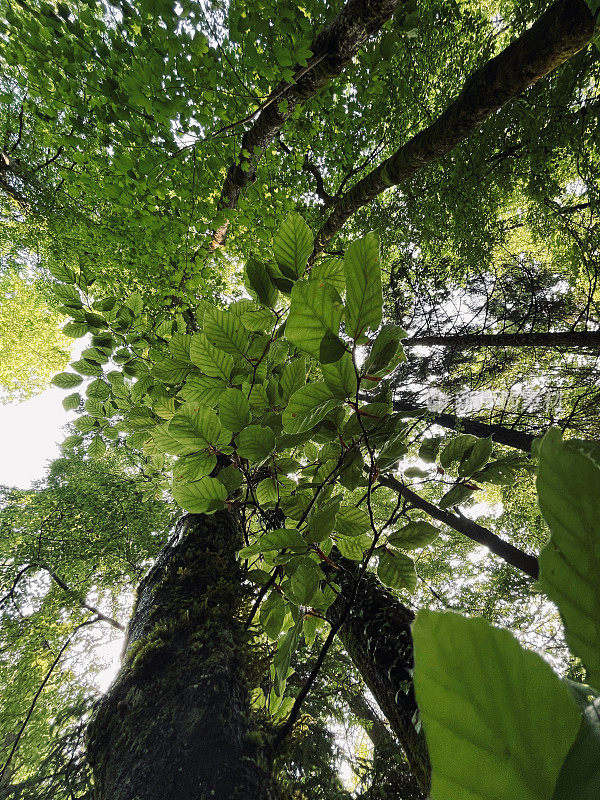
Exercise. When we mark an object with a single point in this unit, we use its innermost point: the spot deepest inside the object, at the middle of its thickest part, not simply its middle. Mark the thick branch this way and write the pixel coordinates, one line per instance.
(477, 533)
(519, 440)
(572, 339)
(333, 49)
(565, 29)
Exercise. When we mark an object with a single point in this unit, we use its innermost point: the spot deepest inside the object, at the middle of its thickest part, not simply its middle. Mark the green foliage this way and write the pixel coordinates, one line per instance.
(498, 721)
(569, 495)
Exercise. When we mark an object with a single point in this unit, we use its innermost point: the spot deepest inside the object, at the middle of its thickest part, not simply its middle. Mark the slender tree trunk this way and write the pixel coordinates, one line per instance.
(377, 637)
(391, 778)
(565, 29)
(176, 724)
(569, 339)
(519, 440)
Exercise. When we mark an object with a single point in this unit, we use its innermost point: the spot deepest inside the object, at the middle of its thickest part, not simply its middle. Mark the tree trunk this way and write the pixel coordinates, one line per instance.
(377, 637)
(176, 724)
(565, 28)
(569, 339)
(391, 778)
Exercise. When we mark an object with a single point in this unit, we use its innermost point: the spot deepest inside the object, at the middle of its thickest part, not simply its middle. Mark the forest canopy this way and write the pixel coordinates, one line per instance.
(320, 283)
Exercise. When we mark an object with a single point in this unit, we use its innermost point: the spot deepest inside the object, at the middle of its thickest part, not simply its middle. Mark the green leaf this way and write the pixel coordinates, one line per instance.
(225, 331)
(193, 467)
(98, 390)
(164, 407)
(71, 401)
(255, 443)
(203, 390)
(198, 426)
(340, 376)
(457, 449)
(315, 311)
(429, 449)
(267, 493)
(231, 478)
(213, 362)
(332, 348)
(397, 571)
(305, 582)
(272, 614)
(580, 774)
(292, 245)
(568, 488)
(200, 497)
(96, 448)
(234, 410)
(364, 298)
(392, 451)
(416, 534)
(477, 458)
(456, 495)
(293, 378)
(85, 367)
(352, 521)
(283, 538)
(135, 303)
(167, 443)
(66, 380)
(415, 472)
(307, 406)
(321, 521)
(331, 271)
(498, 721)
(386, 352)
(75, 330)
(259, 284)
(283, 656)
(259, 319)
(353, 547)
(180, 346)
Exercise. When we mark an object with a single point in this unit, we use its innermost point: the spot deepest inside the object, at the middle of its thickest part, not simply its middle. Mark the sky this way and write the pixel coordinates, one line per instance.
(30, 433)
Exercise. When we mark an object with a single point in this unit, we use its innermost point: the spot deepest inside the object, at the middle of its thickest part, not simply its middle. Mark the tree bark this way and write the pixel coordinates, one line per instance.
(519, 440)
(569, 339)
(176, 723)
(565, 29)
(333, 49)
(377, 637)
(477, 533)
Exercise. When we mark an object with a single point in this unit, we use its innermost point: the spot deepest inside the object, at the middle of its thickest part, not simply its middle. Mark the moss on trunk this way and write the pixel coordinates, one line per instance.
(176, 723)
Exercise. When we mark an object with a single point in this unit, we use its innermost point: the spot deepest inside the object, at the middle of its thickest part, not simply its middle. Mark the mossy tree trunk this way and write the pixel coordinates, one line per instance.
(176, 723)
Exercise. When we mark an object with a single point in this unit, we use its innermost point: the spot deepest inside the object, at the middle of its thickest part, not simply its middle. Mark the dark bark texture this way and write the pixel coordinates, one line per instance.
(519, 440)
(564, 339)
(175, 724)
(565, 28)
(376, 635)
(332, 49)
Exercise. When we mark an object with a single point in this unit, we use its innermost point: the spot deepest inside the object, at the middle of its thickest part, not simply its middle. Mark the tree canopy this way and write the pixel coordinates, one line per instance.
(333, 271)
